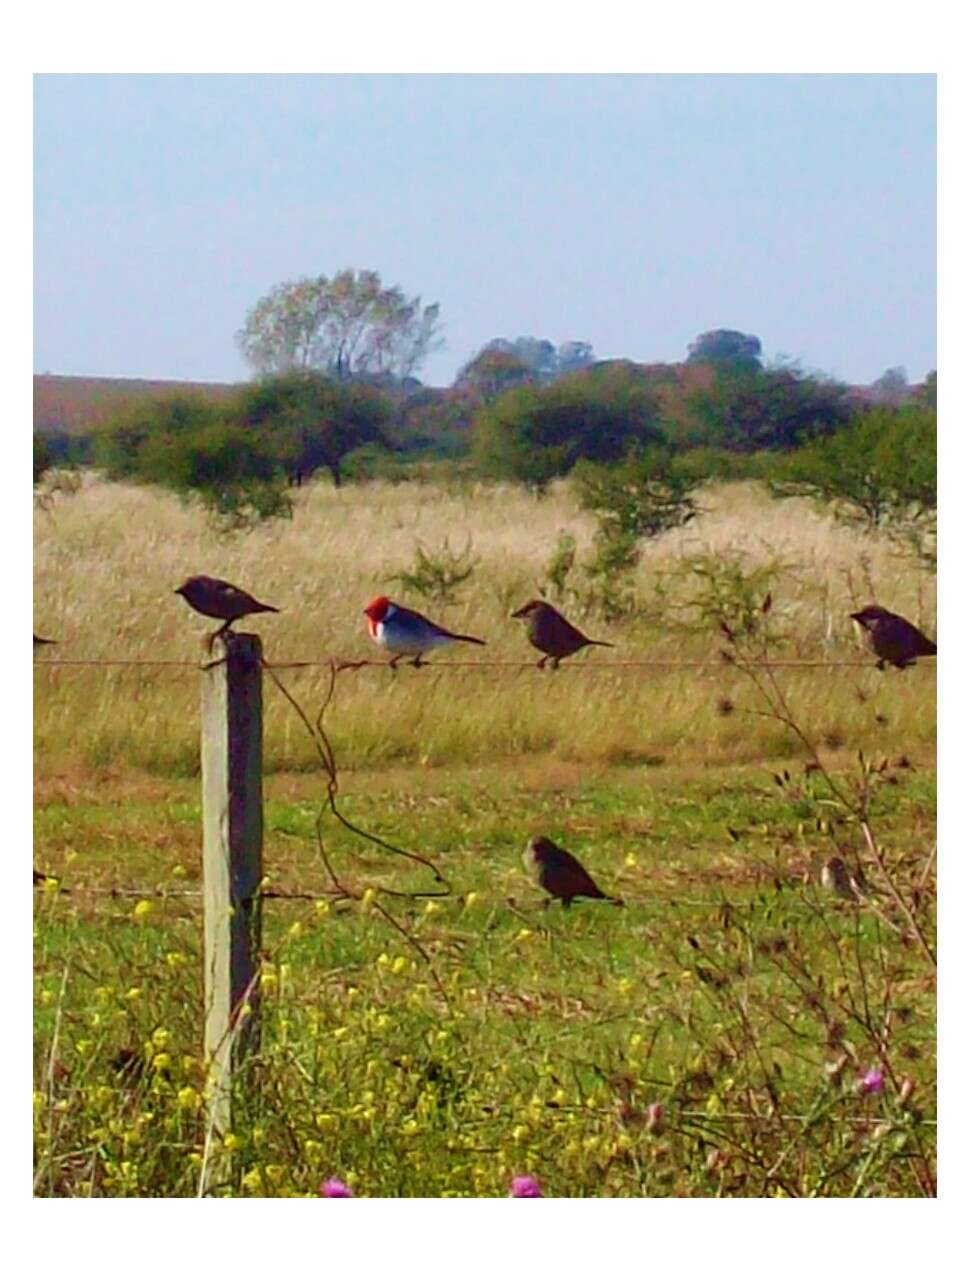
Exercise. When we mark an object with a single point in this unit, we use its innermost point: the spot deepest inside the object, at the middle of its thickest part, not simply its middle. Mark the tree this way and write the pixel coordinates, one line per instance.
(346, 327)
(879, 472)
(533, 434)
(745, 410)
(312, 421)
(725, 346)
(493, 371)
(927, 392)
(502, 363)
(574, 356)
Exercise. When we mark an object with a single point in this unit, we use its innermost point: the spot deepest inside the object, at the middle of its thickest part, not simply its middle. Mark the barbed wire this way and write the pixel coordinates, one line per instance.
(355, 664)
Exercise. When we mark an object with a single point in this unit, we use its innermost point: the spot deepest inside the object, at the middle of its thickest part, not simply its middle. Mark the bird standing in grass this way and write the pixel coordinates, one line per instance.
(835, 877)
(893, 639)
(215, 598)
(550, 632)
(560, 873)
(406, 633)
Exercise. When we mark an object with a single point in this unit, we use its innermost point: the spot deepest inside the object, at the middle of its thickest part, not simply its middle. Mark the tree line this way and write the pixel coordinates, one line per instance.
(334, 389)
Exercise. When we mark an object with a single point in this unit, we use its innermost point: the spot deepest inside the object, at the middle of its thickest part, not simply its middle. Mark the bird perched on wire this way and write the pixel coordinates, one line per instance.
(893, 639)
(39, 640)
(550, 632)
(406, 633)
(560, 873)
(215, 598)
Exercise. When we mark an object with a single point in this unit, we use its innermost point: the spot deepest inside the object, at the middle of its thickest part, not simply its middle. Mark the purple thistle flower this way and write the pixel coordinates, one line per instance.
(334, 1189)
(525, 1186)
(872, 1081)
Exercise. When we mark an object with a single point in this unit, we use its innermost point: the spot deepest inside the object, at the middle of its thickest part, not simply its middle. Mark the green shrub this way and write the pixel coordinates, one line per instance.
(879, 473)
(535, 433)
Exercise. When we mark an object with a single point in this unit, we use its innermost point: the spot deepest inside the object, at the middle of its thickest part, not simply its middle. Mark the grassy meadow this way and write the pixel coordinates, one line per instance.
(735, 1029)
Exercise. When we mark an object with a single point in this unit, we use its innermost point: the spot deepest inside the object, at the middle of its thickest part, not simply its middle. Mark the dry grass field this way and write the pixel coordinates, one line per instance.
(108, 558)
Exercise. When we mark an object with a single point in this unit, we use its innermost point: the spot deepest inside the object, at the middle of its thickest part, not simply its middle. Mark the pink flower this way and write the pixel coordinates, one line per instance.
(525, 1186)
(334, 1189)
(872, 1081)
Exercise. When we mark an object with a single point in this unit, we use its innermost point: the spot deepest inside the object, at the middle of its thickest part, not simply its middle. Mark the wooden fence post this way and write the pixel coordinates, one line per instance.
(231, 761)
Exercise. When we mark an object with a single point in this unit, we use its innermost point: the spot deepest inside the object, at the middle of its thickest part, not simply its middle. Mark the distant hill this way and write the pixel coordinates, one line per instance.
(73, 406)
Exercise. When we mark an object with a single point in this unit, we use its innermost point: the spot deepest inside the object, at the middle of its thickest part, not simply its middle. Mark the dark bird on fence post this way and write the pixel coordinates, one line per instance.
(892, 638)
(560, 873)
(39, 640)
(215, 598)
(550, 632)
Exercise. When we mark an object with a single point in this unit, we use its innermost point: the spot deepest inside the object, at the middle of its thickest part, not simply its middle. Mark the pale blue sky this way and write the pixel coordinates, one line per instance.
(633, 212)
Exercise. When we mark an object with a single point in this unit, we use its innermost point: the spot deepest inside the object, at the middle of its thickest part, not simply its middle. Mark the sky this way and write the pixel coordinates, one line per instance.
(633, 212)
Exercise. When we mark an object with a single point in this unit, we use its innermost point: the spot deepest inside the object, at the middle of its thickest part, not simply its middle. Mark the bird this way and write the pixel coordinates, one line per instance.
(560, 873)
(39, 640)
(550, 632)
(405, 633)
(215, 598)
(893, 639)
(835, 877)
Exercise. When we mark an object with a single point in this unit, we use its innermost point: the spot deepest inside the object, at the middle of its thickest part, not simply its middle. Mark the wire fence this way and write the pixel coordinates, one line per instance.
(355, 664)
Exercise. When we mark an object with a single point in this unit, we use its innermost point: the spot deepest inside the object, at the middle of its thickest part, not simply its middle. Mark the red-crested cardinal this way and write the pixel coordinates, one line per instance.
(406, 633)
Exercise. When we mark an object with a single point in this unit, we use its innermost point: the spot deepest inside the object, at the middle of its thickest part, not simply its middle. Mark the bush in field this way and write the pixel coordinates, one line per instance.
(635, 501)
(240, 456)
(745, 410)
(192, 446)
(42, 457)
(880, 473)
(534, 434)
(436, 575)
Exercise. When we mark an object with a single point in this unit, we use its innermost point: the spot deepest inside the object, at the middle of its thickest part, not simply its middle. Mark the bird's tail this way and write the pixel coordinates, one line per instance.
(469, 639)
(614, 902)
(606, 643)
(266, 608)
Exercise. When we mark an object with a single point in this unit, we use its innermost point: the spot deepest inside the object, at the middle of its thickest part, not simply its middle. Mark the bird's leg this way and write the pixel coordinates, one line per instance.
(542, 661)
(556, 663)
(419, 662)
(220, 631)
(392, 664)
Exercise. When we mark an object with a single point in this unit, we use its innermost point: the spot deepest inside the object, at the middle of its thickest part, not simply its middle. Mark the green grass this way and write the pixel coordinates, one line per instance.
(721, 991)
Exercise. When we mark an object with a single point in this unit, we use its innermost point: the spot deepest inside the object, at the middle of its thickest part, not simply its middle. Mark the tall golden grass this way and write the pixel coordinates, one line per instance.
(108, 558)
